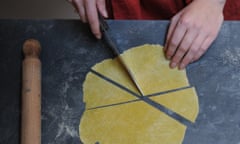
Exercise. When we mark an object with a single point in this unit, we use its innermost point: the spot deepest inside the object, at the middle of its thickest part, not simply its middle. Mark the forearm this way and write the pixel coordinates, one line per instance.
(221, 3)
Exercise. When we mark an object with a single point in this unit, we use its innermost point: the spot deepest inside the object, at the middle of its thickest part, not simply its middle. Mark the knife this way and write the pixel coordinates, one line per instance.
(108, 40)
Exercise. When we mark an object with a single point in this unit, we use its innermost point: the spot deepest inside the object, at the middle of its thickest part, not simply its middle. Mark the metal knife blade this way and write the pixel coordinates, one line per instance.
(108, 40)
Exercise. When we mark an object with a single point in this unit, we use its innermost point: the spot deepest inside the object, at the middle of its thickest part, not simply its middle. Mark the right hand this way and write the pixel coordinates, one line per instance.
(88, 12)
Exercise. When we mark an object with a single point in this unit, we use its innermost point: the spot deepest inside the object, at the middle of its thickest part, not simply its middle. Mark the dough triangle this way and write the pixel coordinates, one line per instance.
(99, 92)
(151, 69)
(183, 102)
(132, 123)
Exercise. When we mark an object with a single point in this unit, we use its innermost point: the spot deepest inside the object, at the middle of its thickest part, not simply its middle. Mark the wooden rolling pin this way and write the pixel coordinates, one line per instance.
(31, 93)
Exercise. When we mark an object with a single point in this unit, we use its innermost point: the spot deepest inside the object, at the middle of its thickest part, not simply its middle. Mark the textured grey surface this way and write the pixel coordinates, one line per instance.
(70, 50)
(217, 79)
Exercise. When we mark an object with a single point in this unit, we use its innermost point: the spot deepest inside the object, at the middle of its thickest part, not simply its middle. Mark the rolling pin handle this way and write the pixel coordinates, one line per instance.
(31, 48)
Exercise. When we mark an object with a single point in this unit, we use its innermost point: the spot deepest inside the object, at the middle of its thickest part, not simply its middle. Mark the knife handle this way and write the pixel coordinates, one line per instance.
(31, 93)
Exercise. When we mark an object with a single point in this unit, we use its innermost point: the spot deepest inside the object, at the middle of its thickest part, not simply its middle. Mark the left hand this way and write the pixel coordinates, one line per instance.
(192, 31)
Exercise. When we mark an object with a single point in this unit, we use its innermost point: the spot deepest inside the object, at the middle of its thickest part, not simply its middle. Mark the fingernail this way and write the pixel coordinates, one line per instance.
(168, 57)
(182, 66)
(173, 65)
(105, 14)
(98, 36)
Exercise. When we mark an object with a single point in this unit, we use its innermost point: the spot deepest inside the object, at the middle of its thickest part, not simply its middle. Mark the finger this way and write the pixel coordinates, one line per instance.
(187, 58)
(92, 16)
(206, 44)
(193, 51)
(175, 39)
(170, 31)
(183, 47)
(79, 6)
(101, 5)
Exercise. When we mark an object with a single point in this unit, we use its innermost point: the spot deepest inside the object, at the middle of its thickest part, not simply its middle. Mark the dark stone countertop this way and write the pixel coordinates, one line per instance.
(70, 50)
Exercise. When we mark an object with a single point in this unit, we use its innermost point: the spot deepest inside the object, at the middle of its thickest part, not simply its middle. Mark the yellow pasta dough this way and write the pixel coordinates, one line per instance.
(149, 67)
(114, 115)
(98, 92)
(132, 123)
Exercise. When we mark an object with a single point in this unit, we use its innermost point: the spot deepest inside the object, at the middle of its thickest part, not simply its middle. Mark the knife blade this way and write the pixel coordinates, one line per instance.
(108, 40)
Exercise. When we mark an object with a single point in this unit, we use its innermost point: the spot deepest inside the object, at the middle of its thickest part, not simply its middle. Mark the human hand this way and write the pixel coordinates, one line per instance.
(88, 12)
(192, 31)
